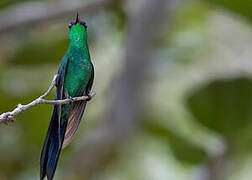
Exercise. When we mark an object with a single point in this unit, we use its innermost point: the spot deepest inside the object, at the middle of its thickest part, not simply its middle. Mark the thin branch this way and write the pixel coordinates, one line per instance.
(9, 116)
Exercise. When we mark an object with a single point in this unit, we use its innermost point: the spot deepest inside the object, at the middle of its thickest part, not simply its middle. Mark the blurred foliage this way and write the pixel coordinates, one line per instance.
(183, 150)
(6, 3)
(39, 52)
(224, 106)
(242, 8)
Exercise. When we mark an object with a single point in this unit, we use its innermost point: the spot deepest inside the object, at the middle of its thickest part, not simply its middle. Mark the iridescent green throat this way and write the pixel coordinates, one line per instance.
(78, 39)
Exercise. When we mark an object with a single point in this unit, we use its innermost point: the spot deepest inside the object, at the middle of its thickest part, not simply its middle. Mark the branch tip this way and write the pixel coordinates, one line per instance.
(8, 117)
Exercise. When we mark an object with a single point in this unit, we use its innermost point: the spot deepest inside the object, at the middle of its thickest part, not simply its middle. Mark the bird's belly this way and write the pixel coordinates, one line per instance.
(76, 79)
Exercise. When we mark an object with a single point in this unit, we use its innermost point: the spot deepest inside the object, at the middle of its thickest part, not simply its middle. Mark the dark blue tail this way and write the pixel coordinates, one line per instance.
(52, 145)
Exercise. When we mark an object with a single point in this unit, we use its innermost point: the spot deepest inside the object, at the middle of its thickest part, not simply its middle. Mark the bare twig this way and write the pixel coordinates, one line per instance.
(9, 116)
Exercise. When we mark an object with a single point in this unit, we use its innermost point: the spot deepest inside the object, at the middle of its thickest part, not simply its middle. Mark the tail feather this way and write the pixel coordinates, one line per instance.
(52, 145)
(74, 121)
(44, 154)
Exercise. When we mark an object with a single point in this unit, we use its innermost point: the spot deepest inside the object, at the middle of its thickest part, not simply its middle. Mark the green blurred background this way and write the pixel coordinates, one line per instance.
(198, 122)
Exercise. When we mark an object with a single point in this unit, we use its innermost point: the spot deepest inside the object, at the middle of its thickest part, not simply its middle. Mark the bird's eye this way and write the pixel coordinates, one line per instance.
(70, 25)
(83, 23)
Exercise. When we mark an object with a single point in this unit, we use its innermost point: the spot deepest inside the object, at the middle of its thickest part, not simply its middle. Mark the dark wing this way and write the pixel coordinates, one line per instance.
(61, 77)
(52, 144)
(90, 82)
(77, 113)
(60, 87)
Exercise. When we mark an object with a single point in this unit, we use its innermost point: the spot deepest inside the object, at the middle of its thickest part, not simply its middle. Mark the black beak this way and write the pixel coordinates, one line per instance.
(77, 18)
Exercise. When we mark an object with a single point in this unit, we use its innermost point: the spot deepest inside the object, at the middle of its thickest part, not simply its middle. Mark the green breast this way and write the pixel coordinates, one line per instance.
(78, 73)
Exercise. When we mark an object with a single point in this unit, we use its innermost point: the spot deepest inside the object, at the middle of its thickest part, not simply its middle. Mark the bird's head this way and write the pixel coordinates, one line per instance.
(77, 30)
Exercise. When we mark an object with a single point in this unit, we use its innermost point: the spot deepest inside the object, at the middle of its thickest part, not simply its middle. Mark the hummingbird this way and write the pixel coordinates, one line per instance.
(74, 78)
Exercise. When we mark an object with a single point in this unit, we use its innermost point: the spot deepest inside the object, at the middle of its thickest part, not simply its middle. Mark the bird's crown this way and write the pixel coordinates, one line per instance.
(76, 21)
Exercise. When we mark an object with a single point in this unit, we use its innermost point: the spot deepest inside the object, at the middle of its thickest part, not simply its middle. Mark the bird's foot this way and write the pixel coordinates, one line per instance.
(89, 97)
(69, 97)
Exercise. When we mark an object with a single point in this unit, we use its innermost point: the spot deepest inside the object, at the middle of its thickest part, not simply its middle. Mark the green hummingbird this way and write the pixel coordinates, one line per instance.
(75, 78)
